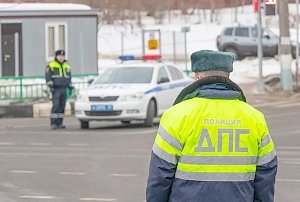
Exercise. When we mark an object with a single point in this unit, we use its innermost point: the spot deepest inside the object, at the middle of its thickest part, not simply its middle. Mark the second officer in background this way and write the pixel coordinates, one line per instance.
(58, 79)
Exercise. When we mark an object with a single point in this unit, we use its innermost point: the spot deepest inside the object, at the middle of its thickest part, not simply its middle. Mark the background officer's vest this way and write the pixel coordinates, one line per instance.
(61, 74)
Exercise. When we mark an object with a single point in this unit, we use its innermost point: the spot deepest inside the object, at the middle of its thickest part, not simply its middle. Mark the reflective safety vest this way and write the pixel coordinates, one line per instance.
(214, 140)
(58, 75)
(59, 70)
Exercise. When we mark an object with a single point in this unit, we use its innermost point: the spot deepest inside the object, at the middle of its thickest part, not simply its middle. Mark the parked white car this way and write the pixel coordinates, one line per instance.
(130, 91)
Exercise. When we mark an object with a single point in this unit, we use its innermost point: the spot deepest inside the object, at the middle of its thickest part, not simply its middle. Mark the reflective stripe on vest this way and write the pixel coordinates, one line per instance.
(169, 138)
(164, 155)
(266, 158)
(214, 176)
(219, 160)
(63, 70)
(214, 140)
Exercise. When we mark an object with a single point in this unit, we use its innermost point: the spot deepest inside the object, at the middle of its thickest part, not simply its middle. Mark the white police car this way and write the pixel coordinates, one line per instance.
(130, 91)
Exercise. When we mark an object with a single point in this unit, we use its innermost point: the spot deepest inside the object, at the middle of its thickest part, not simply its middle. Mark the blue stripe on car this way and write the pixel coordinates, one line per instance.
(167, 87)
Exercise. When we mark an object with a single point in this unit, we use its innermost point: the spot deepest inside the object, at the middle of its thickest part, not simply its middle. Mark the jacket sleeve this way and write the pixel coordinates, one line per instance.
(70, 78)
(165, 154)
(161, 176)
(264, 181)
(48, 76)
(266, 170)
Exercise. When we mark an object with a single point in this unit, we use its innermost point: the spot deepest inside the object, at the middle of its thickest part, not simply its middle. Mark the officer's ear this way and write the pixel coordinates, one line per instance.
(198, 76)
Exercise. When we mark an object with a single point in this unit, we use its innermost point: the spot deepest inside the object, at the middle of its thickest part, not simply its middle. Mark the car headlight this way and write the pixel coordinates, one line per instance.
(82, 97)
(133, 97)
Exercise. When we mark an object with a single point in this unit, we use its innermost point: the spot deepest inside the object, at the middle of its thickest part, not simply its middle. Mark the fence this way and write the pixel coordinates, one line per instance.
(34, 87)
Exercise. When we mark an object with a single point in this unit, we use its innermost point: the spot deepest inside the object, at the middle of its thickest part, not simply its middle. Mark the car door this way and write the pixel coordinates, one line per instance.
(164, 93)
(270, 43)
(243, 39)
(253, 46)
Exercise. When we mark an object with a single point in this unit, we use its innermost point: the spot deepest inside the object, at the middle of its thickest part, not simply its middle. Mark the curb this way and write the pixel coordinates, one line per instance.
(32, 110)
(12, 111)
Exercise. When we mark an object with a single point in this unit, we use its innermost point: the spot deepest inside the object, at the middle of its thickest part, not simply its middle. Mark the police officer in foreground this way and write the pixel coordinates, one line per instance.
(211, 145)
(58, 79)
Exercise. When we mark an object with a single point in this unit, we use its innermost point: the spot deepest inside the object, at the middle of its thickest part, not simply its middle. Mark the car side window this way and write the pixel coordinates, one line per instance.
(162, 76)
(254, 32)
(228, 32)
(175, 73)
(242, 32)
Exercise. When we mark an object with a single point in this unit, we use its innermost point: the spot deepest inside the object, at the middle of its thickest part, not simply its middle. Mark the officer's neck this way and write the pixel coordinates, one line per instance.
(60, 61)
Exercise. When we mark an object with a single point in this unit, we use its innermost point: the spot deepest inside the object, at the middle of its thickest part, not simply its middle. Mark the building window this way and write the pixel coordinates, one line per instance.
(56, 38)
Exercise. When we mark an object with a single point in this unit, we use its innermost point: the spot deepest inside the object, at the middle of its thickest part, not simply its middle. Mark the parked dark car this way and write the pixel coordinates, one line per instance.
(242, 41)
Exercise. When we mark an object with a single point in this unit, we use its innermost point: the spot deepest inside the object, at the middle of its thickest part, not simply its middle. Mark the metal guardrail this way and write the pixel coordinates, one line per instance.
(34, 87)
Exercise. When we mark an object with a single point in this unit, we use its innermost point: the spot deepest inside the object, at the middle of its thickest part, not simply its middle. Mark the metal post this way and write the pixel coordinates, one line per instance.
(297, 46)
(285, 47)
(21, 99)
(174, 47)
(17, 54)
(185, 53)
(143, 42)
(81, 41)
(122, 43)
(159, 42)
(185, 30)
(1, 70)
(260, 85)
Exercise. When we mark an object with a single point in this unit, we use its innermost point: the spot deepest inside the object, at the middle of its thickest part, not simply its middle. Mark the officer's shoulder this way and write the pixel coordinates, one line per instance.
(182, 108)
(253, 110)
(52, 62)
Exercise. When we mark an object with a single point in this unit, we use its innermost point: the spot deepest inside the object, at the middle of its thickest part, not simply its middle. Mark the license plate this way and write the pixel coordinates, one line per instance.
(101, 108)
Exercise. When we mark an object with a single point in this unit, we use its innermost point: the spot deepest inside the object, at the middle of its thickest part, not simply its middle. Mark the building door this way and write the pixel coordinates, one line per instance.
(11, 43)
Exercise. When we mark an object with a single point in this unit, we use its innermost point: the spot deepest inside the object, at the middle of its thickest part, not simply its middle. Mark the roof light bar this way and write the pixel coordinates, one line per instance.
(152, 57)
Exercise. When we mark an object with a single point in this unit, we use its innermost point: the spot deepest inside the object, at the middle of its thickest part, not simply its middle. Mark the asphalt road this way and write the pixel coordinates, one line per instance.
(110, 161)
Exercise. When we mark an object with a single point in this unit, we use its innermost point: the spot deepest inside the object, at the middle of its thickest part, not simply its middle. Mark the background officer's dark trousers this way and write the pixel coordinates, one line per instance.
(59, 97)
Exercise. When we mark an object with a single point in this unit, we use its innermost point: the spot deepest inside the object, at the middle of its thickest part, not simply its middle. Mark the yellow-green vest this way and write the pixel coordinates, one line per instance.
(59, 70)
(214, 140)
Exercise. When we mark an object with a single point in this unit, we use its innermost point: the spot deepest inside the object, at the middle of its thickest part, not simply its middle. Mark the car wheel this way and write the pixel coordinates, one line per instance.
(125, 122)
(233, 51)
(84, 124)
(148, 122)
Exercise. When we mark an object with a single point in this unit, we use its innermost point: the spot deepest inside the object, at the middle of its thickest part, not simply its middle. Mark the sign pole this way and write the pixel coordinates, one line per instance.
(260, 85)
(297, 47)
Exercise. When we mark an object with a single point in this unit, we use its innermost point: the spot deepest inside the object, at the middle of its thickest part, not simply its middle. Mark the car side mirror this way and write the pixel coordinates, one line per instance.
(267, 36)
(90, 81)
(163, 80)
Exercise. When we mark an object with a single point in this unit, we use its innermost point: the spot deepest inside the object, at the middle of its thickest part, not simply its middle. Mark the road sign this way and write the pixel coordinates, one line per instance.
(255, 5)
(152, 44)
(185, 29)
(270, 2)
(270, 7)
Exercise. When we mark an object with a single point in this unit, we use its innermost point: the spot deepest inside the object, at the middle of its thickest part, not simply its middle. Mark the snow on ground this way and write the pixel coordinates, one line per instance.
(202, 35)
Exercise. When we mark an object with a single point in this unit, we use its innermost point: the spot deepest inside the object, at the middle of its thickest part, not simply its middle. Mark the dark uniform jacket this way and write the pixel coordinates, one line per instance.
(163, 186)
(58, 74)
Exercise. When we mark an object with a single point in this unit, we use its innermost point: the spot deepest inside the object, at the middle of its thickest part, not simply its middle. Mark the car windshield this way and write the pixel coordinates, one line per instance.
(126, 75)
